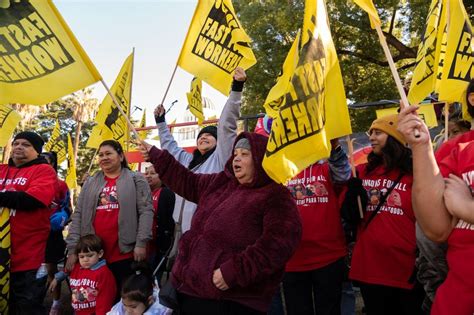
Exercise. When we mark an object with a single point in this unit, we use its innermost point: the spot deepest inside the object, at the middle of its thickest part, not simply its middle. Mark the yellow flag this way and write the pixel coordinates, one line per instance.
(71, 178)
(430, 54)
(216, 44)
(276, 96)
(143, 134)
(56, 144)
(40, 59)
(195, 100)
(459, 58)
(111, 124)
(426, 112)
(368, 6)
(9, 119)
(315, 106)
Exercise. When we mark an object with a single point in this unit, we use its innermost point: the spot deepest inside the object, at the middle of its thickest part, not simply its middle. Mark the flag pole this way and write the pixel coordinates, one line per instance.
(92, 160)
(350, 146)
(169, 84)
(446, 121)
(130, 97)
(132, 128)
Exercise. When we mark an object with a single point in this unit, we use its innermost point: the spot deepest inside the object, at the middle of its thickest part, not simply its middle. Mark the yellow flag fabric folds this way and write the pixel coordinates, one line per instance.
(444, 63)
(56, 144)
(315, 106)
(276, 96)
(426, 112)
(368, 6)
(71, 178)
(9, 119)
(111, 124)
(195, 100)
(216, 44)
(40, 59)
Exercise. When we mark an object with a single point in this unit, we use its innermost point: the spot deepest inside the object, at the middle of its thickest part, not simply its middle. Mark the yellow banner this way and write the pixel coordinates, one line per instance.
(9, 119)
(315, 106)
(216, 44)
(111, 124)
(276, 96)
(195, 100)
(56, 144)
(426, 112)
(143, 134)
(368, 6)
(40, 59)
(430, 54)
(459, 58)
(71, 178)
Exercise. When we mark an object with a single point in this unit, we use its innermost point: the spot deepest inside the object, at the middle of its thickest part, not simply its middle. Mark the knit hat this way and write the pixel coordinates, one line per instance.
(212, 130)
(243, 144)
(33, 138)
(388, 124)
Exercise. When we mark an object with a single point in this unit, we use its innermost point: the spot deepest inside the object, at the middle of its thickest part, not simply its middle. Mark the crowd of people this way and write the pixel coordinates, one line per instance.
(210, 232)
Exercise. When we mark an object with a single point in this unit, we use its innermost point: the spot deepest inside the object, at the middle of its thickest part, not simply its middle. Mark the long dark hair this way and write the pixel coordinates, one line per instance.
(139, 285)
(118, 148)
(394, 156)
(470, 89)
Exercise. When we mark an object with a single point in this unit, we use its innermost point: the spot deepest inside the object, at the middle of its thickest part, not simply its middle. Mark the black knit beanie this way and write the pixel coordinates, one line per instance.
(212, 130)
(36, 141)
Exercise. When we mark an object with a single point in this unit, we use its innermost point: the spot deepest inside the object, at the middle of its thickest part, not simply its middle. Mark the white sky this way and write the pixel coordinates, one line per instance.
(109, 29)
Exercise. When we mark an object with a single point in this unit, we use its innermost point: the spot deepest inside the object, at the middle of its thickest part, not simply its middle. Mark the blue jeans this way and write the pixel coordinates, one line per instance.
(348, 300)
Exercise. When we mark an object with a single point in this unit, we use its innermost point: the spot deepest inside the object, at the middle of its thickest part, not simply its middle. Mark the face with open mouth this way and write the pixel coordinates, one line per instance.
(378, 139)
(243, 166)
(206, 142)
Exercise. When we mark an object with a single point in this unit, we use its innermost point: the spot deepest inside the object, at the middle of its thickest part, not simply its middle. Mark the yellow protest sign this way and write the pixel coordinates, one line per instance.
(459, 57)
(71, 178)
(195, 100)
(56, 144)
(111, 124)
(368, 6)
(315, 106)
(216, 44)
(40, 59)
(426, 112)
(9, 119)
(276, 96)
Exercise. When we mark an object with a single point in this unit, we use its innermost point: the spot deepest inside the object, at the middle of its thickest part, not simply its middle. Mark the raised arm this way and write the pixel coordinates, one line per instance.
(339, 167)
(167, 141)
(227, 128)
(428, 183)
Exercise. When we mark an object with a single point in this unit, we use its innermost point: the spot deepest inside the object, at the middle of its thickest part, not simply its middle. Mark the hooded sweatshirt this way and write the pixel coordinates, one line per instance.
(28, 191)
(248, 231)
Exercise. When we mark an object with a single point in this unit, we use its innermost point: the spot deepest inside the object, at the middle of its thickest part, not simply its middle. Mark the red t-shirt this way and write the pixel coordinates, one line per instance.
(61, 193)
(29, 229)
(106, 222)
(384, 253)
(151, 248)
(446, 148)
(93, 290)
(323, 239)
(456, 294)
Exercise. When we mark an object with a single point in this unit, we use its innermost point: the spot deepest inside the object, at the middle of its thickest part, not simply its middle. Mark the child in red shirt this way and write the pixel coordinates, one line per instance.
(92, 283)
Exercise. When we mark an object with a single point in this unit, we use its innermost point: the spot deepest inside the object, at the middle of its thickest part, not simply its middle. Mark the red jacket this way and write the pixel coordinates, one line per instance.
(249, 232)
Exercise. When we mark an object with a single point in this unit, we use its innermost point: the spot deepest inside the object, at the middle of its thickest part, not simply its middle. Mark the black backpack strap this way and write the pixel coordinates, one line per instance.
(383, 199)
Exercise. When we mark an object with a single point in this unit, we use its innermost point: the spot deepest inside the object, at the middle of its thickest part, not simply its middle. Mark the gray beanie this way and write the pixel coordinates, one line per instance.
(243, 144)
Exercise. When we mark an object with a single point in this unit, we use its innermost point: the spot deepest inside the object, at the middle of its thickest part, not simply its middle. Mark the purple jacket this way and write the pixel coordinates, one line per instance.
(249, 232)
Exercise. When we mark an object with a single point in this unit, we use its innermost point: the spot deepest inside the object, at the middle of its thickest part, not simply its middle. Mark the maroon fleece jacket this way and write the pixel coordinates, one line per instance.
(248, 231)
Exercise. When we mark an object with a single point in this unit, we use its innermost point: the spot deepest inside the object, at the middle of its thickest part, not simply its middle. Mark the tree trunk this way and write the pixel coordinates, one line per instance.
(77, 138)
(6, 152)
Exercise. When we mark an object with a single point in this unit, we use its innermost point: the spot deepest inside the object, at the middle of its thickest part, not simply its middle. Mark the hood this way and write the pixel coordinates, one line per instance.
(258, 147)
(38, 160)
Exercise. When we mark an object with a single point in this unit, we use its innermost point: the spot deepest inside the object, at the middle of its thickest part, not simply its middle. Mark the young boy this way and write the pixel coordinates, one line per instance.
(92, 283)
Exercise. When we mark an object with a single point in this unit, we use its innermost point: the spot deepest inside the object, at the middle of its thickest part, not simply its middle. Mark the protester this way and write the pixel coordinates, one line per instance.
(383, 260)
(245, 229)
(163, 223)
(214, 145)
(139, 297)
(56, 246)
(314, 275)
(444, 206)
(27, 188)
(115, 204)
(92, 283)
